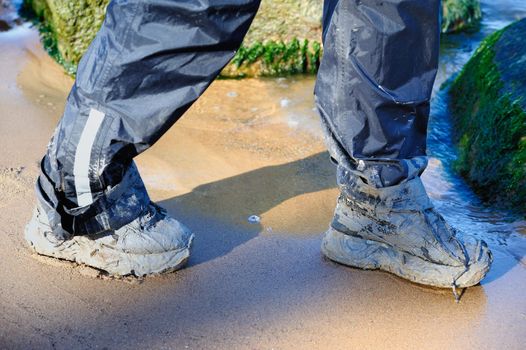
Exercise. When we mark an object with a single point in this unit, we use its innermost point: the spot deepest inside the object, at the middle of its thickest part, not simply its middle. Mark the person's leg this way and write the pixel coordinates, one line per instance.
(373, 93)
(374, 85)
(147, 65)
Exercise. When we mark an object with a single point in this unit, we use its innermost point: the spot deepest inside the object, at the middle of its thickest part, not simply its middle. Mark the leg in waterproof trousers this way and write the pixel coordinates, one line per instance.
(373, 92)
(147, 65)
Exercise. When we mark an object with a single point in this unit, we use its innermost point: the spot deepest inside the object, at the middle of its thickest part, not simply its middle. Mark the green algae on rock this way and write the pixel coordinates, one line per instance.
(275, 59)
(270, 48)
(459, 15)
(489, 109)
(67, 27)
(284, 38)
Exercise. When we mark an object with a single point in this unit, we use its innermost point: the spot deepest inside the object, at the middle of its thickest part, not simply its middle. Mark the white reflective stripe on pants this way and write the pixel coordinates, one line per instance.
(83, 157)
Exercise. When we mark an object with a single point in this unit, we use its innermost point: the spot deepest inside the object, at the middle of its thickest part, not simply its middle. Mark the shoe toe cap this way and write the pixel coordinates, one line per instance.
(165, 235)
(478, 264)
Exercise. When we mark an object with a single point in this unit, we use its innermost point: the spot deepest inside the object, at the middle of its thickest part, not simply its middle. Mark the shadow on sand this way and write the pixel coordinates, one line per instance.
(218, 212)
(256, 295)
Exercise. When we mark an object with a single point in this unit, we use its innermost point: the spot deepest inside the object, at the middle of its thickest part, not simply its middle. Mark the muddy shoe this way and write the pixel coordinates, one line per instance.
(396, 229)
(151, 244)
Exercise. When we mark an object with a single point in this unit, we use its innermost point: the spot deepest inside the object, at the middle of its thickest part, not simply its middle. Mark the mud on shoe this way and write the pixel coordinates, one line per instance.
(396, 229)
(151, 244)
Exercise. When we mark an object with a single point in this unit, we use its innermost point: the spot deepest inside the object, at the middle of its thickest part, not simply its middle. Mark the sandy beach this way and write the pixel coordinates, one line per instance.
(248, 147)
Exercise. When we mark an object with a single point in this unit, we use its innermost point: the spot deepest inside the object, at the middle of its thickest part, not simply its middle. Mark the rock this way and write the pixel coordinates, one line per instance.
(8, 16)
(270, 48)
(4, 25)
(459, 15)
(67, 27)
(489, 111)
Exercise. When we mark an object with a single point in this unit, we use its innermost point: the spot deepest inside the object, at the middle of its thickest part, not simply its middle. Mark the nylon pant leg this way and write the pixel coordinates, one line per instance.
(147, 65)
(374, 85)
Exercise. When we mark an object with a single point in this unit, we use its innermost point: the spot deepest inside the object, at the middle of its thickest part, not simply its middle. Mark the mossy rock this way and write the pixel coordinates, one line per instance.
(459, 15)
(280, 27)
(488, 100)
(67, 27)
(284, 39)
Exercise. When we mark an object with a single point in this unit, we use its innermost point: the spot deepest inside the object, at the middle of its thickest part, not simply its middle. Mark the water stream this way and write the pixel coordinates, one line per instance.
(451, 194)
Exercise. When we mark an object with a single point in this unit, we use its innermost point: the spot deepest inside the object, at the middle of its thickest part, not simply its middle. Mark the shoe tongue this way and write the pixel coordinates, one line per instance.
(407, 196)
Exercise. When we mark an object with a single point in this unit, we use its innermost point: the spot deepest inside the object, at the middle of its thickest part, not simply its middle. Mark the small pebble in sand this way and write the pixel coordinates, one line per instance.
(254, 219)
(285, 103)
(232, 94)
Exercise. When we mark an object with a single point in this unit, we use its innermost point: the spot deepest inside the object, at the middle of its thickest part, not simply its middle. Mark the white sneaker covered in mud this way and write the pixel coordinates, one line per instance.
(151, 244)
(396, 229)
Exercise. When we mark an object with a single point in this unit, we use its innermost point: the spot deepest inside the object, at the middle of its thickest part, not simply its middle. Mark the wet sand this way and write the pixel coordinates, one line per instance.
(250, 147)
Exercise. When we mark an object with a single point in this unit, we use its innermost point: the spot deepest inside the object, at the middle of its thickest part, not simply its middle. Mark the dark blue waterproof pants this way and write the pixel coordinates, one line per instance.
(153, 58)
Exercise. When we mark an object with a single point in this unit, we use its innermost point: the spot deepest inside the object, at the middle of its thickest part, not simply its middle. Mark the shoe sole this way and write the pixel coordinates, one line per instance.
(86, 251)
(371, 255)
